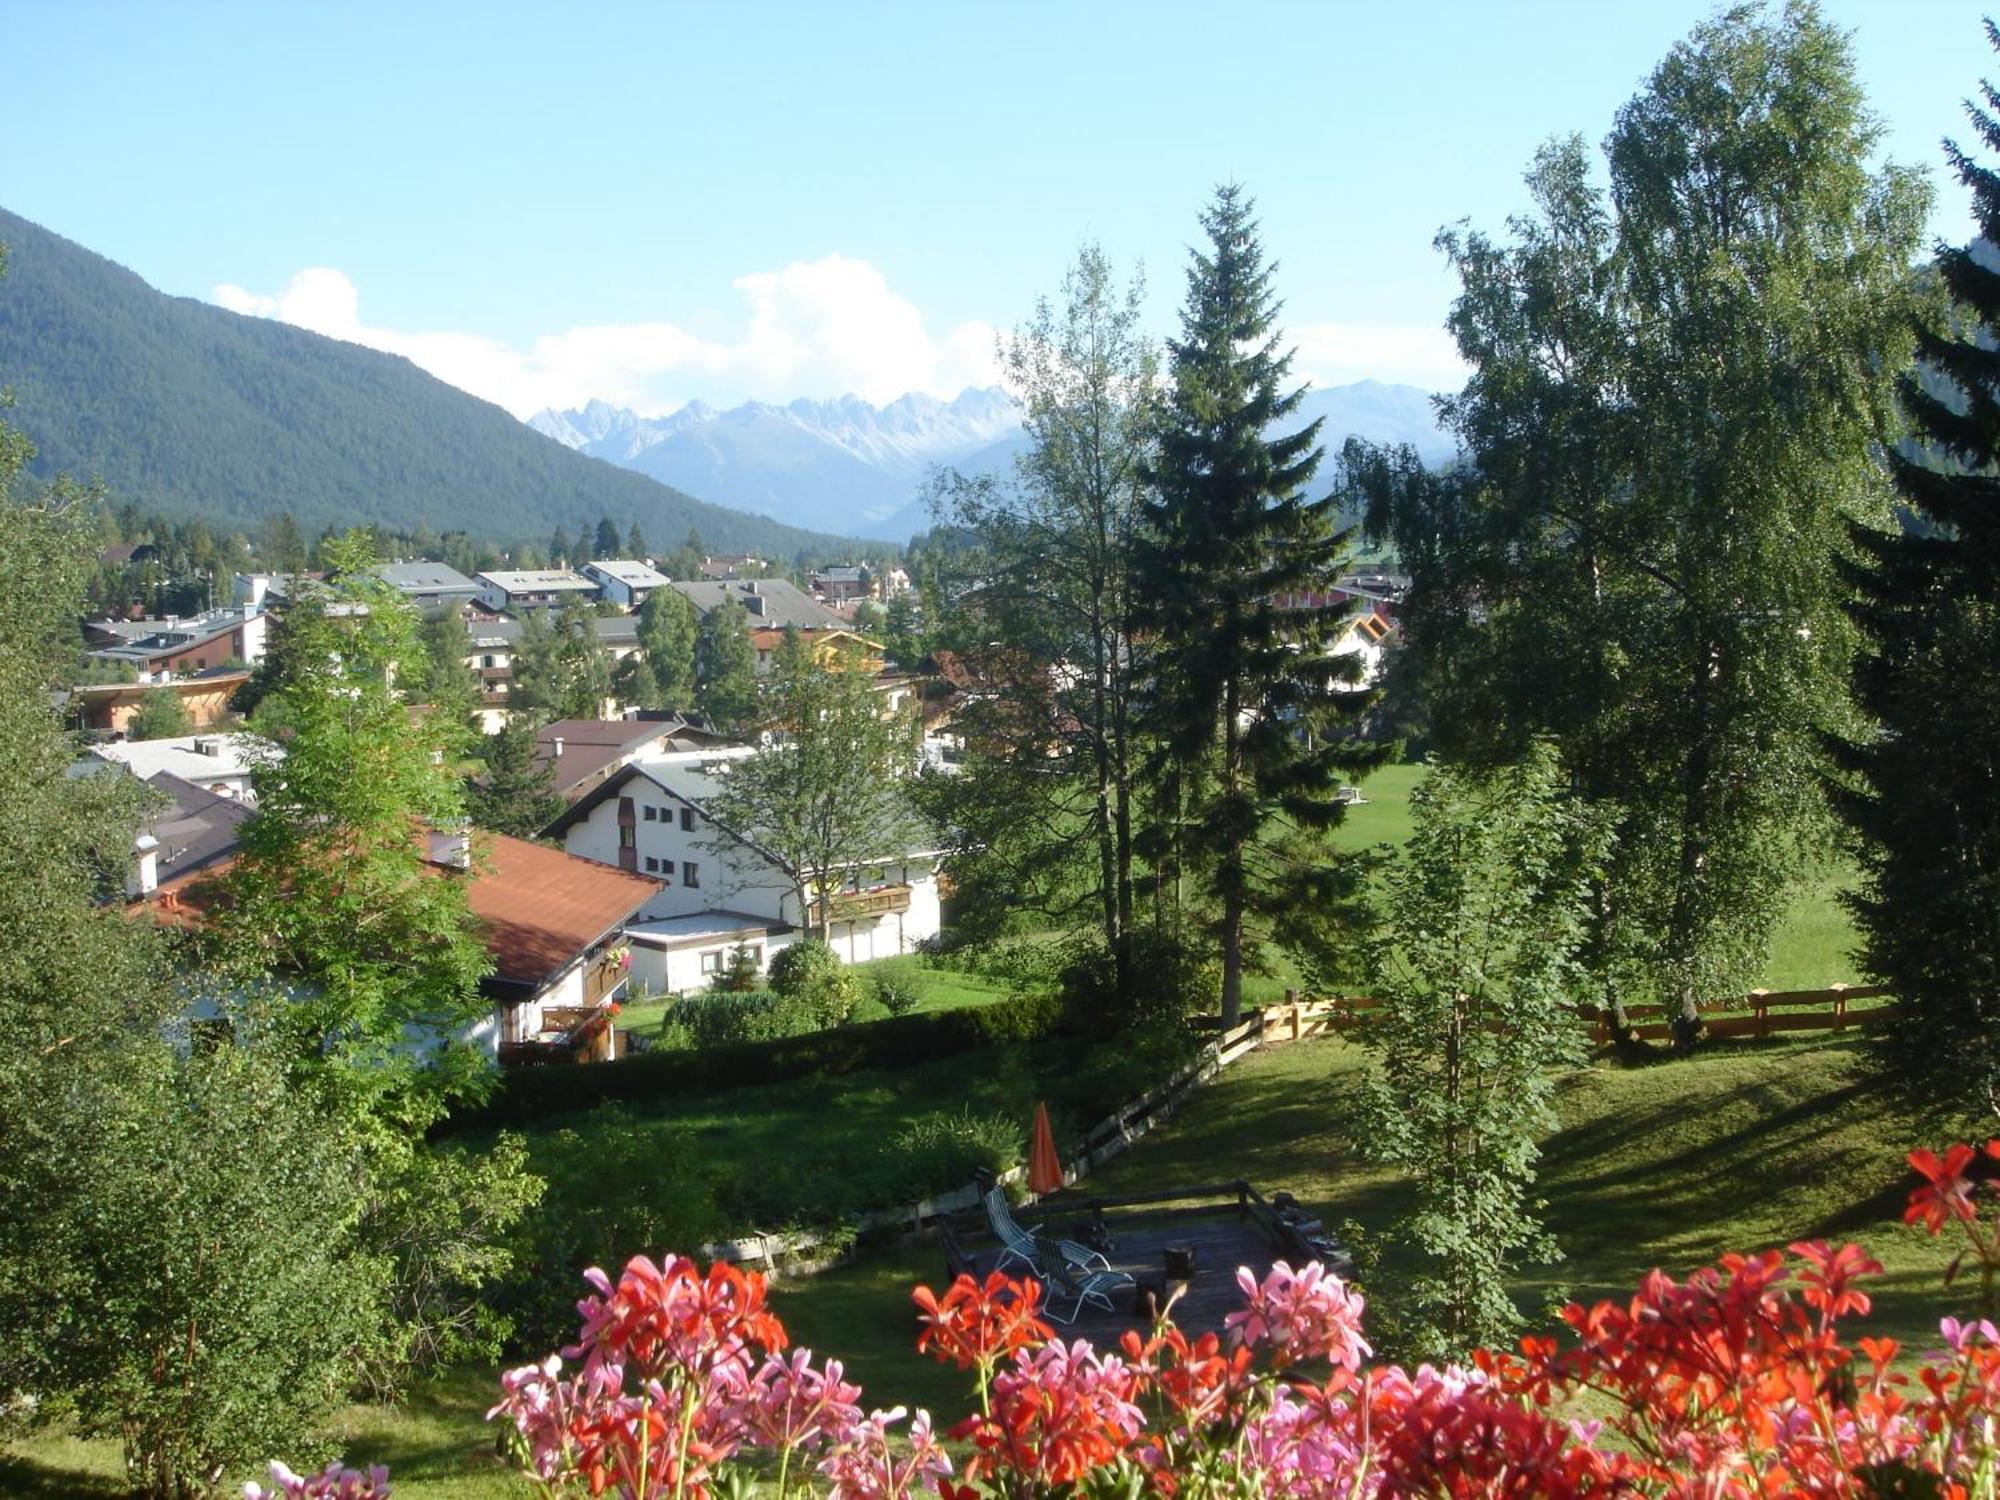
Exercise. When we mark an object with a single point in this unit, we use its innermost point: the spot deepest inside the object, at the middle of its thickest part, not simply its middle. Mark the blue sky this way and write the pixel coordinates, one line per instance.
(650, 203)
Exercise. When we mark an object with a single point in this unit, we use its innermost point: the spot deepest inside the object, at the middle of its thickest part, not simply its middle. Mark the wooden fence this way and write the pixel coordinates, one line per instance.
(1759, 1013)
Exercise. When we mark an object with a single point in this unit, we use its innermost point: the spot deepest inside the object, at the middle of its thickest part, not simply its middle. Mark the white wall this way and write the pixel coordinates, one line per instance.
(732, 878)
(678, 970)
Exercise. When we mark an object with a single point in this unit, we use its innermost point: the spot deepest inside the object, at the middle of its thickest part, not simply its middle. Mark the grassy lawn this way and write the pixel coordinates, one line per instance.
(937, 989)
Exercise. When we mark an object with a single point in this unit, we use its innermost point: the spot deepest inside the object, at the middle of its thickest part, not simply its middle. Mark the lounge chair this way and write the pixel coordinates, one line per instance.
(1073, 1271)
(1016, 1243)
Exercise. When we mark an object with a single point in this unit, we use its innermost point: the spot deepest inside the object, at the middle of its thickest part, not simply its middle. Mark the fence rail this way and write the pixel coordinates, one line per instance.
(1758, 1013)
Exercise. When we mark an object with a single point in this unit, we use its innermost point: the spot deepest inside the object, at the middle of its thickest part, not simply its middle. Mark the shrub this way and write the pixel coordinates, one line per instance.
(899, 997)
(1173, 978)
(741, 977)
(534, 1094)
(812, 973)
(944, 1149)
(721, 1020)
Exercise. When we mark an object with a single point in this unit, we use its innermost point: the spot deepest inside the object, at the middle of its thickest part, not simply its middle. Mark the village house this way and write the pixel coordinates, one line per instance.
(221, 764)
(492, 657)
(109, 707)
(843, 583)
(733, 565)
(829, 647)
(651, 817)
(431, 586)
(551, 923)
(160, 649)
(514, 592)
(770, 601)
(584, 752)
(624, 581)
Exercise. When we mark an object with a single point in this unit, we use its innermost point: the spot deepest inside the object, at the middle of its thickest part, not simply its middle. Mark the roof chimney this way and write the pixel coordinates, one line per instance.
(451, 846)
(144, 876)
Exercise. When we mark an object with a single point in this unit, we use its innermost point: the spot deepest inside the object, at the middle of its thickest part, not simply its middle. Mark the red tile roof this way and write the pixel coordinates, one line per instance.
(542, 908)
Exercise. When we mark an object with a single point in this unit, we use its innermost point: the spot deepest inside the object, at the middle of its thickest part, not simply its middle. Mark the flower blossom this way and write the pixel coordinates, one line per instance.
(334, 1482)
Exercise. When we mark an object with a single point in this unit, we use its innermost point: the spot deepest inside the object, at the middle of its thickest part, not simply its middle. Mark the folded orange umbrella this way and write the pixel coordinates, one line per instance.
(1044, 1166)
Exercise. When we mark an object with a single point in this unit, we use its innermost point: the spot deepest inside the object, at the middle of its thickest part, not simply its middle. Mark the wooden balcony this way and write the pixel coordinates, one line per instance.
(850, 906)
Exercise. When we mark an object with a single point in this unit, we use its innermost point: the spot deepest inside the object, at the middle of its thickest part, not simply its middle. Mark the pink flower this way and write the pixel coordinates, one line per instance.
(1299, 1315)
(334, 1482)
(789, 1404)
(865, 1466)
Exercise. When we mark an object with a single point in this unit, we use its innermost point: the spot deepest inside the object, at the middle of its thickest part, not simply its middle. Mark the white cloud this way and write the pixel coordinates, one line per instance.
(1398, 353)
(814, 328)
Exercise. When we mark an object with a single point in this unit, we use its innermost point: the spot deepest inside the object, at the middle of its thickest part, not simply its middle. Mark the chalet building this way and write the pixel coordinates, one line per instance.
(584, 752)
(623, 581)
(109, 707)
(492, 657)
(160, 649)
(770, 601)
(827, 646)
(516, 592)
(431, 586)
(220, 764)
(733, 565)
(651, 818)
(552, 924)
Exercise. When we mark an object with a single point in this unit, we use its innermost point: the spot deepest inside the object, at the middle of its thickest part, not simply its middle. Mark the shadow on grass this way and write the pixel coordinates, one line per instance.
(27, 1478)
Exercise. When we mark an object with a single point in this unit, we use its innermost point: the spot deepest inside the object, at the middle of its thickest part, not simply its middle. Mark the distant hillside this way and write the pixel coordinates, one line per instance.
(188, 409)
(848, 463)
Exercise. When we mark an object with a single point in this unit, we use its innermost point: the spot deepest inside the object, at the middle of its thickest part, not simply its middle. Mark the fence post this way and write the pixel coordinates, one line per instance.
(1761, 1012)
(1839, 1006)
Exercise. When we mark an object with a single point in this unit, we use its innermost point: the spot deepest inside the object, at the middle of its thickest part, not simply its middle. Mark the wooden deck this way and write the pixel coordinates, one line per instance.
(1226, 1226)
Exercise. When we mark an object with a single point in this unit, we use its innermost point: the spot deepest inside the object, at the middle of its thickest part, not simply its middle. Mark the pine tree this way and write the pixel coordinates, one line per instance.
(559, 548)
(1248, 702)
(1928, 812)
(515, 794)
(725, 669)
(667, 635)
(635, 543)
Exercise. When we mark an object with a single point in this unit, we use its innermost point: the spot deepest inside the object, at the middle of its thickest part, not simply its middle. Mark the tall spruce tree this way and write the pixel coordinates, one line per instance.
(1928, 807)
(725, 669)
(667, 639)
(1248, 702)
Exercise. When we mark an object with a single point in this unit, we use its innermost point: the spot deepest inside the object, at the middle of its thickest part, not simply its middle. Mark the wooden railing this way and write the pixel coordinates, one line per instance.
(1759, 1013)
(845, 906)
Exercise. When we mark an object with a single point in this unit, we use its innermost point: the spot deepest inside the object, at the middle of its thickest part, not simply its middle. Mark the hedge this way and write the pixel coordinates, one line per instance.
(528, 1096)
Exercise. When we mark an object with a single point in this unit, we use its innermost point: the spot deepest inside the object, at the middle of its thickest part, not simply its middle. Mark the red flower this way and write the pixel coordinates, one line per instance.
(1946, 1193)
(975, 1324)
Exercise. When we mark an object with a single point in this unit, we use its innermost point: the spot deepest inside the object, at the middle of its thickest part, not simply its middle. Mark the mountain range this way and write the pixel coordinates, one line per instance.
(191, 410)
(848, 465)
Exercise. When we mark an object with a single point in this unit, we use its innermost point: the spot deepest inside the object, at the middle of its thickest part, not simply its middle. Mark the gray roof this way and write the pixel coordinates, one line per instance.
(634, 575)
(771, 601)
(420, 577)
(612, 630)
(196, 828)
(539, 580)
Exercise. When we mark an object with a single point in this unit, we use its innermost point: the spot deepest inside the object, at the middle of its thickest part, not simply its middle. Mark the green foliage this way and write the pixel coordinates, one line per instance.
(1250, 710)
(946, 1148)
(561, 667)
(535, 1094)
(812, 974)
(333, 892)
(1175, 977)
(445, 681)
(897, 994)
(1487, 907)
(515, 794)
(185, 408)
(162, 715)
(1929, 605)
(667, 640)
(232, 1297)
(725, 669)
(827, 794)
(1680, 386)
(723, 1018)
(741, 974)
(616, 1189)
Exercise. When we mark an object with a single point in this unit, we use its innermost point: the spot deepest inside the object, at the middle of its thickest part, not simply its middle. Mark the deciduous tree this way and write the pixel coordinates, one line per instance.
(1678, 389)
(725, 669)
(667, 637)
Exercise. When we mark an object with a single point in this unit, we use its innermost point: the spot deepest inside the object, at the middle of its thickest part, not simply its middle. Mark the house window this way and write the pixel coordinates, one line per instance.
(652, 865)
(690, 874)
(687, 820)
(652, 813)
(711, 962)
(628, 836)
